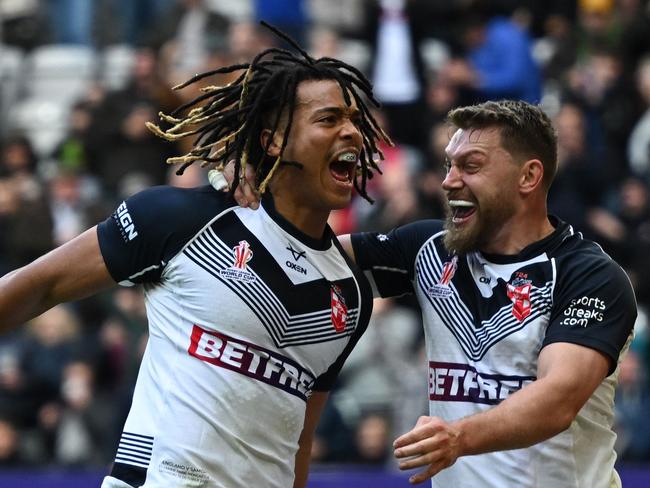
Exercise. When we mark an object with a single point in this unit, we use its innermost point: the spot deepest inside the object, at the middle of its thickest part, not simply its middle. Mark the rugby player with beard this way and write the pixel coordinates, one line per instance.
(525, 321)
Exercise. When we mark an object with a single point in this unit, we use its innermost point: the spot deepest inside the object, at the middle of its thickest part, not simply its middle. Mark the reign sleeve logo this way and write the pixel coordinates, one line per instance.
(125, 223)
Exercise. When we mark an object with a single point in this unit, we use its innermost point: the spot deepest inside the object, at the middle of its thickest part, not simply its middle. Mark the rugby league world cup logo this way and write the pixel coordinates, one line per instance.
(442, 289)
(242, 254)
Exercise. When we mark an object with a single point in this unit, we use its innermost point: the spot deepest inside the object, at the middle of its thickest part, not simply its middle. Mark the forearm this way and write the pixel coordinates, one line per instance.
(567, 375)
(70, 272)
(303, 457)
(21, 298)
(523, 419)
(315, 405)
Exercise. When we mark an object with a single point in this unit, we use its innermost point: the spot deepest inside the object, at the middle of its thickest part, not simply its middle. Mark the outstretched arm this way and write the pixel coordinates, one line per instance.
(315, 405)
(568, 374)
(73, 271)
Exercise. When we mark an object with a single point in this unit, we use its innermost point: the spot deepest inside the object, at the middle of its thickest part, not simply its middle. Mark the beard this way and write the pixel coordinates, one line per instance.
(487, 220)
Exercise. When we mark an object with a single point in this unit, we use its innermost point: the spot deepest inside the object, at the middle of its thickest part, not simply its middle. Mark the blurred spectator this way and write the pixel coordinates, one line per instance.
(188, 31)
(116, 355)
(635, 32)
(488, 71)
(71, 21)
(327, 42)
(135, 18)
(610, 107)
(18, 158)
(394, 192)
(122, 145)
(120, 339)
(631, 206)
(69, 204)
(638, 149)
(578, 186)
(633, 408)
(372, 377)
(324, 42)
(18, 396)
(598, 27)
(395, 30)
(395, 195)
(441, 96)
(81, 431)
(557, 48)
(289, 16)
(74, 190)
(22, 23)
(431, 197)
(334, 439)
(25, 220)
(75, 150)
(372, 439)
(53, 341)
(245, 39)
(10, 456)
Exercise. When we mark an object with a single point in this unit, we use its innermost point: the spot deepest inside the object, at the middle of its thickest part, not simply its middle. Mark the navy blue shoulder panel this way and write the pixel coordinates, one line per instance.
(151, 227)
(391, 257)
(593, 302)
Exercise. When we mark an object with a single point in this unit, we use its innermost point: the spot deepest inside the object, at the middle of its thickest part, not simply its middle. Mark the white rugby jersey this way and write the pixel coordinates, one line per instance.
(486, 319)
(247, 316)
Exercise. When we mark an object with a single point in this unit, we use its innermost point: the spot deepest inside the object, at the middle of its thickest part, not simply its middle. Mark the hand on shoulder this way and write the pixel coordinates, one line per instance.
(245, 194)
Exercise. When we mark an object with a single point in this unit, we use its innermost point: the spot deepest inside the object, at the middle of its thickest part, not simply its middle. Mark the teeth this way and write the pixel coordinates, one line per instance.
(348, 157)
(460, 203)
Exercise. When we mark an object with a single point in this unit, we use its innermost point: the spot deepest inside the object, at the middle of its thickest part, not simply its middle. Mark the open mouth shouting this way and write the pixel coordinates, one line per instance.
(461, 211)
(343, 167)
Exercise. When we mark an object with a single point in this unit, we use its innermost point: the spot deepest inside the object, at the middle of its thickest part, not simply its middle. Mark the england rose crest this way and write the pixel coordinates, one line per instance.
(520, 296)
(339, 309)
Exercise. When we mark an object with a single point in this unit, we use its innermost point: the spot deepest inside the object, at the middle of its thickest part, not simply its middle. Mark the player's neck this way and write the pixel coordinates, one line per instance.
(307, 220)
(519, 232)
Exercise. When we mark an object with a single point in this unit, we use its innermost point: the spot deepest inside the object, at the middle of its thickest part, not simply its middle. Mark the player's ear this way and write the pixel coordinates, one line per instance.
(531, 175)
(274, 146)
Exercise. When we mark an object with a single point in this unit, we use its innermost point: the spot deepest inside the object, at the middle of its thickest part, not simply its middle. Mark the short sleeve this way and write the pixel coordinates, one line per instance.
(148, 229)
(389, 259)
(594, 306)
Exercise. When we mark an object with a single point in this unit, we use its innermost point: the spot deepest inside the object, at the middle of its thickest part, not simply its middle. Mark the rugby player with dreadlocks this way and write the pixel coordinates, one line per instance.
(251, 313)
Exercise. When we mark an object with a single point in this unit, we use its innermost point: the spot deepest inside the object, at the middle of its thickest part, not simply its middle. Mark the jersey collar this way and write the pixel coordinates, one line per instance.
(321, 244)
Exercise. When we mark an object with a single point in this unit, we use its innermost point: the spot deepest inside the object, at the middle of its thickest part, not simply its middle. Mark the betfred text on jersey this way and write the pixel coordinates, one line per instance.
(455, 382)
(250, 360)
(125, 222)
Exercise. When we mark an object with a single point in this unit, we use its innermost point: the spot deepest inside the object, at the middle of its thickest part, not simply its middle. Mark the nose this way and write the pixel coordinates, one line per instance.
(350, 130)
(453, 180)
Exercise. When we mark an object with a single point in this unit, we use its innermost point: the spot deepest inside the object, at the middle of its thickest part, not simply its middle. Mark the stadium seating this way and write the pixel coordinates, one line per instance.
(11, 72)
(116, 65)
(61, 71)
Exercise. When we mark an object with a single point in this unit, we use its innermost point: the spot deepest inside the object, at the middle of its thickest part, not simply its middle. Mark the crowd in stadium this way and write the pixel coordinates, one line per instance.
(80, 78)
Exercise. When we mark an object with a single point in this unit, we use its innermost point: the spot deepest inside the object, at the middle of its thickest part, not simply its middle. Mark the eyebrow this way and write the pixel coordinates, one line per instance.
(466, 154)
(337, 110)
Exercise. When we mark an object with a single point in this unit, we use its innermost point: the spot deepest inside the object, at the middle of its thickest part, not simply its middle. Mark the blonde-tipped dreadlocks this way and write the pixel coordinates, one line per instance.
(229, 122)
